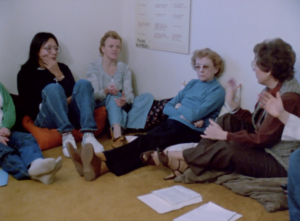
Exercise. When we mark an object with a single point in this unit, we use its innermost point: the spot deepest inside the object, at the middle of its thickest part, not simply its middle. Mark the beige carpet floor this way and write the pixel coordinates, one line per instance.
(110, 197)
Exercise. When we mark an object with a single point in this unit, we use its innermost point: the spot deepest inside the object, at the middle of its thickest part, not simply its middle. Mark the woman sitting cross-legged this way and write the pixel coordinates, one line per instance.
(245, 143)
(50, 96)
(201, 98)
(111, 80)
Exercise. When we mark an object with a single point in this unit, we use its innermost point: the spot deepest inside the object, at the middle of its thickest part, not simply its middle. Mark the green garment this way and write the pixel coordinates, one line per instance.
(8, 108)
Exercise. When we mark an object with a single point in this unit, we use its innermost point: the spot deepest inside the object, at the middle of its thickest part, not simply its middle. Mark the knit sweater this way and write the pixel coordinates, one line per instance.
(32, 82)
(199, 101)
(7, 111)
(101, 80)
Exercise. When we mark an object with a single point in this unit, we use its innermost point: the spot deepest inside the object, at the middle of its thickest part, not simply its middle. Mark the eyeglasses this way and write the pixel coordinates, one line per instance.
(55, 48)
(253, 65)
(204, 67)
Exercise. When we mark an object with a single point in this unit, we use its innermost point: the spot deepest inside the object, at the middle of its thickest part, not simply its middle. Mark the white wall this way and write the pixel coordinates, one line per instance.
(230, 27)
(77, 24)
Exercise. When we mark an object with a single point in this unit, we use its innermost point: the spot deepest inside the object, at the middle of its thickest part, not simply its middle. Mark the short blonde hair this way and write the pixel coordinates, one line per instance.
(213, 56)
(109, 34)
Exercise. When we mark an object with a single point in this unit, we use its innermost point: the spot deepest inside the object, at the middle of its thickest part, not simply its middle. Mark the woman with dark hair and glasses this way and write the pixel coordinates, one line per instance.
(50, 96)
(201, 98)
(245, 143)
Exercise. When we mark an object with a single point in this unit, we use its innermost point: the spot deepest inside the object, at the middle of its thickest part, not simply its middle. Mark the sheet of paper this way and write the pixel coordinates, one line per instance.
(163, 25)
(176, 194)
(161, 206)
(3, 177)
(209, 212)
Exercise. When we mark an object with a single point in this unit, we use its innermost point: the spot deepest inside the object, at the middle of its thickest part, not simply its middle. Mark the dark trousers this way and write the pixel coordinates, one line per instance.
(231, 156)
(125, 159)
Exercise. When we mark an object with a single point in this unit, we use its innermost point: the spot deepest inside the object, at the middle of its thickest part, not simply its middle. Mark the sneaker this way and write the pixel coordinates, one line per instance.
(68, 139)
(90, 138)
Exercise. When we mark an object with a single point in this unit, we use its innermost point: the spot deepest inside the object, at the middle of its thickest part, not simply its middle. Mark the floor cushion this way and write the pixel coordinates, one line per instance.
(50, 138)
(156, 116)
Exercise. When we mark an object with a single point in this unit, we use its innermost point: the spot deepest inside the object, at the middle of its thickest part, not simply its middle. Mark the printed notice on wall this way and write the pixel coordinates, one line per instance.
(163, 25)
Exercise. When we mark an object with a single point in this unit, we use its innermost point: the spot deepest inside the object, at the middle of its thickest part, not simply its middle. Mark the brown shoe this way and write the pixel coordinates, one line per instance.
(76, 158)
(118, 142)
(91, 163)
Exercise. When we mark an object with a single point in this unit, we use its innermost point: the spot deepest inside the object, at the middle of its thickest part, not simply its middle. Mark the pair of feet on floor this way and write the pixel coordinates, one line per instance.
(86, 162)
(44, 170)
(88, 138)
(159, 157)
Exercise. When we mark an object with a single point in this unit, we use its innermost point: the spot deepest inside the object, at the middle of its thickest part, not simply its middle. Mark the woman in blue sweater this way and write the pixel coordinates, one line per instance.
(201, 98)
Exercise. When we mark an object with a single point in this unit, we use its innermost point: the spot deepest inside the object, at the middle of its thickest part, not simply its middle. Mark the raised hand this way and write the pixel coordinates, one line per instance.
(231, 90)
(214, 132)
(273, 106)
(121, 101)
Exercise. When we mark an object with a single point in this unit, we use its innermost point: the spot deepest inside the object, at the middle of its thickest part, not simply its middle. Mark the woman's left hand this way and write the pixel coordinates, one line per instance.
(121, 101)
(214, 132)
(52, 66)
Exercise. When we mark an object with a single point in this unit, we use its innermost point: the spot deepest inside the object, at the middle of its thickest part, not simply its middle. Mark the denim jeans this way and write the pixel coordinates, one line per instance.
(294, 186)
(135, 117)
(16, 157)
(55, 112)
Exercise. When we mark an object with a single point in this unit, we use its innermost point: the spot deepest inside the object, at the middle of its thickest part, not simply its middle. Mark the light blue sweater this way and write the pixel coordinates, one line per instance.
(199, 101)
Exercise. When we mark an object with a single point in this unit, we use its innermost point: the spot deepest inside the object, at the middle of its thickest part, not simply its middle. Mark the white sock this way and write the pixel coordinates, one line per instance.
(86, 135)
(65, 135)
(117, 131)
(89, 137)
(41, 166)
(49, 177)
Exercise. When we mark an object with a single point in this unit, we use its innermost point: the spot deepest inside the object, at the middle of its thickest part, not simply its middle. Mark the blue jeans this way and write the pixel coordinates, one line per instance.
(16, 157)
(55, 112)
(134, 118)
(294, 186)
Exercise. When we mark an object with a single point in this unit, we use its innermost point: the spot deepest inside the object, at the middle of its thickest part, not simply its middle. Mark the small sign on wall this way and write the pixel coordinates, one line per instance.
(163, 25)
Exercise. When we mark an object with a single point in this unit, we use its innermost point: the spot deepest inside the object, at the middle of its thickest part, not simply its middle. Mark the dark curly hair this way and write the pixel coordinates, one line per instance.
(277, 57)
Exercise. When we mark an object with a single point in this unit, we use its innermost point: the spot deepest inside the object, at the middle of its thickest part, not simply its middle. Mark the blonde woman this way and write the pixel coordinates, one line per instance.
(112, 83)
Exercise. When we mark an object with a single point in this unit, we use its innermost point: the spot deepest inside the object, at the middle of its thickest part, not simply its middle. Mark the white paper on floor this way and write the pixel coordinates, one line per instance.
(171, 198)
(209, 212)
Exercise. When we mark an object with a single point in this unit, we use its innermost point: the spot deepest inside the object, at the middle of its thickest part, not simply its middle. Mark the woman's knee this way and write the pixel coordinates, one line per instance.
(51, 89)
(147, 96)
(83, 85)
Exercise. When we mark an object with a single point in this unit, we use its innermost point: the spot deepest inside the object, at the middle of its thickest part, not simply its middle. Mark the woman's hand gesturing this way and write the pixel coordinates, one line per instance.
(231, 90)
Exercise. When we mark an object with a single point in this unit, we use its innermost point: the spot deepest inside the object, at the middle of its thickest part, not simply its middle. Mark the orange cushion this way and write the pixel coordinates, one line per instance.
(50, 138)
